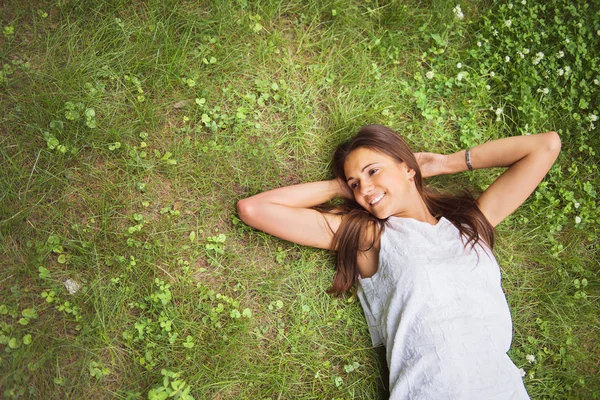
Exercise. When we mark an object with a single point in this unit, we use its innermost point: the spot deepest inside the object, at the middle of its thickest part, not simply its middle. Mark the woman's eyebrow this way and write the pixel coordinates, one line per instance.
(363, 168)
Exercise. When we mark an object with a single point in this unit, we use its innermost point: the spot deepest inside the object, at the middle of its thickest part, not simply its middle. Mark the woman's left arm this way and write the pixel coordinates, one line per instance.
(528, 159)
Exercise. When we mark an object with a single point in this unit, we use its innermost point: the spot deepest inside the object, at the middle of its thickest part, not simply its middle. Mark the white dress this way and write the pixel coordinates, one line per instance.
(441, 313)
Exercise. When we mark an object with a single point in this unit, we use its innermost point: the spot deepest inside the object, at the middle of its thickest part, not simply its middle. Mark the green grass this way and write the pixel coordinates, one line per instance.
(199, 104)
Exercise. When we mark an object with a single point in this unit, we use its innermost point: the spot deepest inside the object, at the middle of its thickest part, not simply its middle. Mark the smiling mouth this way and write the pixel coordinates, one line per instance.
(376, 199)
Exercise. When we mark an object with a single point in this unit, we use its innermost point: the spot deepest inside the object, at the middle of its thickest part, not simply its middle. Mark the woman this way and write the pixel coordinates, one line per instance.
(427, 280)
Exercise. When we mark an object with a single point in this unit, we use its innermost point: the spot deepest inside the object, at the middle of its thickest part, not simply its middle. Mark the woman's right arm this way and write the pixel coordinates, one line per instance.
(287, 214)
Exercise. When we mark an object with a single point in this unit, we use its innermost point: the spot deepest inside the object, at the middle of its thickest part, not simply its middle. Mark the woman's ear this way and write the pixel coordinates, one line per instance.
(411, 173)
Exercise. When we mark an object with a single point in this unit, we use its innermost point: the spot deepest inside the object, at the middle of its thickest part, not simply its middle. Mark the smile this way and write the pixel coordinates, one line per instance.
(376, 199)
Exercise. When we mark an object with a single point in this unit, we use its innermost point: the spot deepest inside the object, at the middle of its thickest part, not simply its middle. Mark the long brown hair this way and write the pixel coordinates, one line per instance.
(360, 230)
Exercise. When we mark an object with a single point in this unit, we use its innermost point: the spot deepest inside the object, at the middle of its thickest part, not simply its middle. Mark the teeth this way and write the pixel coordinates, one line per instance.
(376, 199)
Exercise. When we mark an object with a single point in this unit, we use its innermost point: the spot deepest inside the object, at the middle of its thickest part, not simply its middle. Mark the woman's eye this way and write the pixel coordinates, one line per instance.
(353, 185)
(371, 172)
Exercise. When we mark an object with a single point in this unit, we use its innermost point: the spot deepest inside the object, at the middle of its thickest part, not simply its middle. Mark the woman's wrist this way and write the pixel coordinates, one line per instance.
(457, 162)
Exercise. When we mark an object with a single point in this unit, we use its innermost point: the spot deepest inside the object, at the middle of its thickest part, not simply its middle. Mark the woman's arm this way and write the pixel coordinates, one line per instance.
(286, 212)
(528, 159)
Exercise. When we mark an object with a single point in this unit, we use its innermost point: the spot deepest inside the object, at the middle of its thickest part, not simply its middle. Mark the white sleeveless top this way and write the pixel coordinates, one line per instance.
(441, 313)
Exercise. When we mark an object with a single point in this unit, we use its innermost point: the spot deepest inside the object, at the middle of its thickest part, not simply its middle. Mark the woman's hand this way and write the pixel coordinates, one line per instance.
(431, 164)
(344, 190)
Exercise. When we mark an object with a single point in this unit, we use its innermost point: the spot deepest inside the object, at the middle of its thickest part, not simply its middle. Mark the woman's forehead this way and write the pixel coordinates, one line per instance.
(363, 156)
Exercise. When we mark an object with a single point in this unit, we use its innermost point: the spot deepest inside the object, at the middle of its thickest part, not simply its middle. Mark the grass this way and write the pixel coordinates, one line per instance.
(199, 104)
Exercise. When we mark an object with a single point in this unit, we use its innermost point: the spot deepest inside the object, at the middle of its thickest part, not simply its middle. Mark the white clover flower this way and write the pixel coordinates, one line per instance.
(507, 59)
(592, 127)
(460, 76)
(526, 51)
(521, 370)
(577, 205)
(598, 32)
(499, 111)
(530, 358)
(593, 117)
(538, 57)
(523, 2)
(508, 23)
(578, 219)
(488, 87)
(478, 44)
(459, 65)
(521, 54)
(596, 82)
(429, 74)
(567, 70)
(560, 54)
(545, 90)
(492, 74)
(567, 41)
(458, 12)
(510, 6)
(495, 32)
(560, 72)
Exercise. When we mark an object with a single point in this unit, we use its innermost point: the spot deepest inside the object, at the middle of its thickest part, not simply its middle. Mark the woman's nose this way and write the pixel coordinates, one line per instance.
(366, 189)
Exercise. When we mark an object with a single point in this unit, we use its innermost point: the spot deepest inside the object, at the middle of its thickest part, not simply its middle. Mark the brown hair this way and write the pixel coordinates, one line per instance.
(360, 230)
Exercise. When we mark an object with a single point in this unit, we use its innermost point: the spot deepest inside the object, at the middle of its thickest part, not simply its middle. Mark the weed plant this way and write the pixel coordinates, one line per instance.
(130, 129)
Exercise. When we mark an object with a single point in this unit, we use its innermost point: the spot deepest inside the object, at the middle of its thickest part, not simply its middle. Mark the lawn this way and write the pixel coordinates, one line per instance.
(129, 130)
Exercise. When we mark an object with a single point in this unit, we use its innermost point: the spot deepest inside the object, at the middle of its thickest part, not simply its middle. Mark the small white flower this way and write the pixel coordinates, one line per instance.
(510, 6)
(507, 59)
(460, 76)
(521, 370)
(530, 358)
(593, 117)
(521, 54)
(567, 70)
(567, 41)
(526, 51)
(508, 23)
(544, 91)
(577, 205)
(495, 32)
(478, 44)
(492, 74)
(560, 72)
(488, 87)
(538, 57)
(459, 65)
(458, 12)
(578, 219)
(523, 2)
(560, 54)
(592, 127)
(429, 74)
(596, 82)
(499, 111)
(598, 32)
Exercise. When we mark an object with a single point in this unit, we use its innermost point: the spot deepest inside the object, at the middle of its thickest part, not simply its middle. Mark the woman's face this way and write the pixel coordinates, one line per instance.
(381, 185)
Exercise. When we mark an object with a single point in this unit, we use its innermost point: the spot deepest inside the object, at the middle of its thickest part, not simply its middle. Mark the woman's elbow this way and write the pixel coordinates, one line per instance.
(553, 143)
(244, 209)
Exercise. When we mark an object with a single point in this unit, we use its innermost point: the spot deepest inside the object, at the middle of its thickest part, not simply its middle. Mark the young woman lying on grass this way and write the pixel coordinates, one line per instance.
(427, 279)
